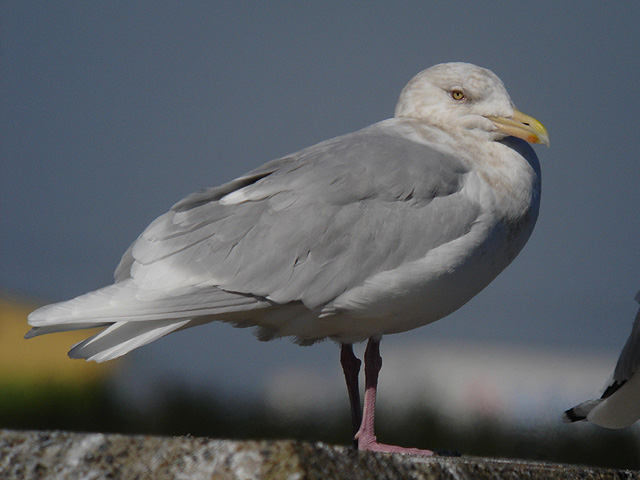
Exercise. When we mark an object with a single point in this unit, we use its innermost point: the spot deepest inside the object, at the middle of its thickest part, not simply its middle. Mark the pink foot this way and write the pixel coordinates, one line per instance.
(369, 442)
(381, 447)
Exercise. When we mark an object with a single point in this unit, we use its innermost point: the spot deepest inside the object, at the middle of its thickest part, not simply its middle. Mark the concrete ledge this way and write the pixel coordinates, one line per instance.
(61, 455)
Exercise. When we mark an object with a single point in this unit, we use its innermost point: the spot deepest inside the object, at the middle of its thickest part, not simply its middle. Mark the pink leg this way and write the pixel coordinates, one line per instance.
(365, 436)
(351, 369)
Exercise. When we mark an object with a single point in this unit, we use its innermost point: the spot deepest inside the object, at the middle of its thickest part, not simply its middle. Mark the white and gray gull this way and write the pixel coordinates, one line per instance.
(375, 232)
(619, 404)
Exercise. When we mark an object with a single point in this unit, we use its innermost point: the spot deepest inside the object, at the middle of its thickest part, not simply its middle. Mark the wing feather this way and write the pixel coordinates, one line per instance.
(618, 405)
(629, 360)
(309, 226)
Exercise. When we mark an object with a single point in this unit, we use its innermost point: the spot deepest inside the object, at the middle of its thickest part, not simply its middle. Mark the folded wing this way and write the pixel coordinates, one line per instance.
(296, 232)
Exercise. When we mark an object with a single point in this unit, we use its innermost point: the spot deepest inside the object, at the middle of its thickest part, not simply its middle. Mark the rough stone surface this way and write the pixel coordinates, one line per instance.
(63, 455)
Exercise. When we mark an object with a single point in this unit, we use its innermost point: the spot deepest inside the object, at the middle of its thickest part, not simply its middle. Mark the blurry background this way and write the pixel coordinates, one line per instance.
(112, 111)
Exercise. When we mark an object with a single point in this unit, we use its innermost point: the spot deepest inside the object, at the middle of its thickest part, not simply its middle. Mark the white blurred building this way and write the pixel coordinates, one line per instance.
(463, 381)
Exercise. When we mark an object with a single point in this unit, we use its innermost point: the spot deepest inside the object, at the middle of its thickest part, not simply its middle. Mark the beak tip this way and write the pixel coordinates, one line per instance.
(543, 137)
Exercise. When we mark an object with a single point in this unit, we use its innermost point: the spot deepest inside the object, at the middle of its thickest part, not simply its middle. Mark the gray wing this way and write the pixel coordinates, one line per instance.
(312, 225)
(617, 406)
(629, 361)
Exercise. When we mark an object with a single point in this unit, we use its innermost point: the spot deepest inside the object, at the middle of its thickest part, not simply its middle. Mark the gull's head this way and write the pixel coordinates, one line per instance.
(461, 97)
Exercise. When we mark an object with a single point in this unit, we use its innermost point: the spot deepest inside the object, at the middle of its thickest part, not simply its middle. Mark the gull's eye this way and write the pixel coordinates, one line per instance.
(457, 95)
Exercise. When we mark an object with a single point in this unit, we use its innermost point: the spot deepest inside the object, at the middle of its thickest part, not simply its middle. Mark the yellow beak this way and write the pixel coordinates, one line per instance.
(522, 126)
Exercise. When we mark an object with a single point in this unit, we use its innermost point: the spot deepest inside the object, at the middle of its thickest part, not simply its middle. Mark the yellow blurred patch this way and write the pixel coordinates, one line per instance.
(41, 359)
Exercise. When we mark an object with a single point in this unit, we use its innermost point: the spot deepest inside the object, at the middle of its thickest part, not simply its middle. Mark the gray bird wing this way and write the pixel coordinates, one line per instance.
(628, 364)
(312, 225)
(629, 360)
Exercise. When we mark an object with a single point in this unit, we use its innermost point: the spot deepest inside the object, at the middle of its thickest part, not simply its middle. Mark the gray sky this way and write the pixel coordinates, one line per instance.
(113, 111)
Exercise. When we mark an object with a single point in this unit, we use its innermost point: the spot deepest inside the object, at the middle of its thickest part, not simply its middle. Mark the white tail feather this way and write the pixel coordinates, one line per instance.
(134, 317)
(122, 337)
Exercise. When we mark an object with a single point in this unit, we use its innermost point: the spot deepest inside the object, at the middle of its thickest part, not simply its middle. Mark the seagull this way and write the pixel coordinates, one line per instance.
(619, 404)
(375, 232)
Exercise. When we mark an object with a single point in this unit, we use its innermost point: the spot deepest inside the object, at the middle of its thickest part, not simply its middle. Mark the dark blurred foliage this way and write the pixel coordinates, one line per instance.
(188, 413)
